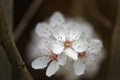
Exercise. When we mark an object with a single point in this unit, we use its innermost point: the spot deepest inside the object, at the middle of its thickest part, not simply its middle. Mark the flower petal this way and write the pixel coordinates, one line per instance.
(79, 45)
(43, 30)
(40, 62)
(79, 67)
(52, 68)
(72, 54)
(59, 33)
(56, 46)
(62, 59)
(92, 67)
(43, 46)
(94, 45)
(73, 32)
(57, 19)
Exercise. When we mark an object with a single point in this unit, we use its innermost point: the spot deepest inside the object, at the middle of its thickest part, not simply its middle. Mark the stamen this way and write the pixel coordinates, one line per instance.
(53, 56)
(67, 44)
(82, 55)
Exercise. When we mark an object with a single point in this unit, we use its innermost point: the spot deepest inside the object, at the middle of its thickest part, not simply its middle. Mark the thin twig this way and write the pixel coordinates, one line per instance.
(7, 42)
(26, 18)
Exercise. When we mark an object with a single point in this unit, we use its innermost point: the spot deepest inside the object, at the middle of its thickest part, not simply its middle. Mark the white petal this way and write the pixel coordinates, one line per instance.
(92, 67)
(43, 46)
(94, 45)
(62, 59)
(79, 45)
(79, 67)
(57, 19)
(40, 62)
(72, 54)
(52, 68)
(73, 32)
(59, 33)
(43, 30)
(56, 46)
(41, 52)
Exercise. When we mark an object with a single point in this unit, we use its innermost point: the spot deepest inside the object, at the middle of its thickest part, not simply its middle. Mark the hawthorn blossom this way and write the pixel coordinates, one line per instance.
(87, 57)
(48, 58)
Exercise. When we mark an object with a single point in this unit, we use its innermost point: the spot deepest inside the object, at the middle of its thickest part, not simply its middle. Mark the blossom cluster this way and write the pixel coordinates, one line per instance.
(61, 39)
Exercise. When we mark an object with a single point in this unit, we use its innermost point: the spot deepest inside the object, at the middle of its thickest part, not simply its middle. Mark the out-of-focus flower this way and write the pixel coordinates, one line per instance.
(48, 58)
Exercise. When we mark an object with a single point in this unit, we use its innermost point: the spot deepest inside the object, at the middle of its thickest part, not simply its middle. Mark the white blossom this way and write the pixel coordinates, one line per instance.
(66, 34)
(87, 57)
(60, 38)
(48, 58)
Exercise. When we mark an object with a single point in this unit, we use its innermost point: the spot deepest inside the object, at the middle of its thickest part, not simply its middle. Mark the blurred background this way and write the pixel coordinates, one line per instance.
(103, 14)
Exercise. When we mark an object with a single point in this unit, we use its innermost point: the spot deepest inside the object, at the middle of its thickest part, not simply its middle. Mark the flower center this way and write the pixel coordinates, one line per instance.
(67, 44)
(53, 56)
(82, 55)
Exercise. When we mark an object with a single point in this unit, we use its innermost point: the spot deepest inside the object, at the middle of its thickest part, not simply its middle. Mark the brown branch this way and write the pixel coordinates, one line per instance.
(11, 51)
(26, 18)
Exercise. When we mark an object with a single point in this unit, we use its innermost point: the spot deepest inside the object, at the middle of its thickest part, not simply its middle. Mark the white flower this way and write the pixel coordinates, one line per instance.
(87, 57)
(60, 38)
(70, 36)
(66, 34)
(48, 57)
